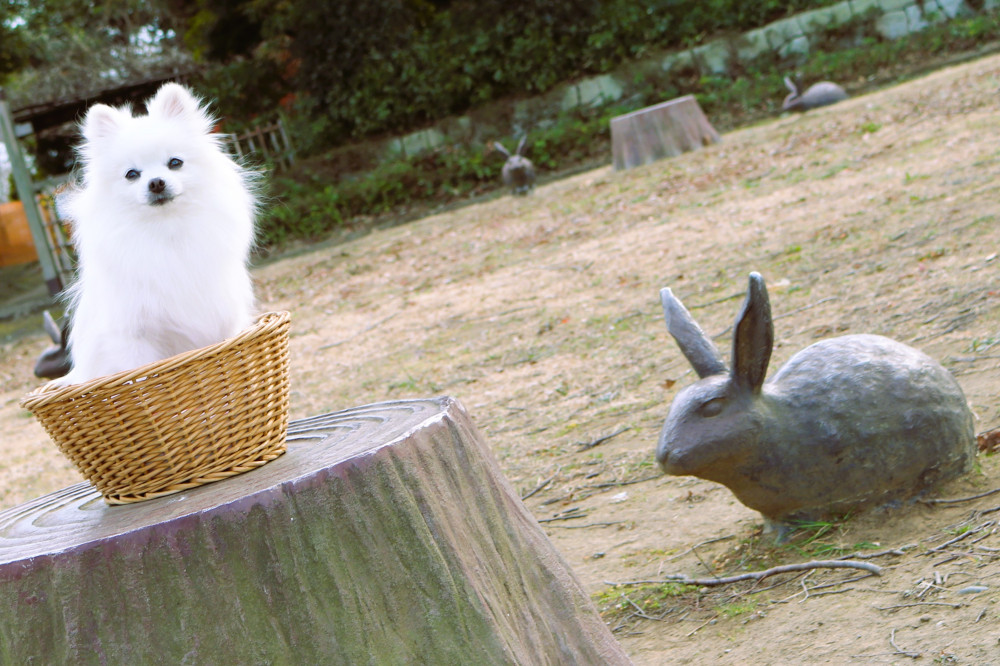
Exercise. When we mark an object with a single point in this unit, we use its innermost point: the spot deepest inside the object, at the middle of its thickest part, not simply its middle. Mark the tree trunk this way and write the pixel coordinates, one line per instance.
(385, 535)
(663, 130)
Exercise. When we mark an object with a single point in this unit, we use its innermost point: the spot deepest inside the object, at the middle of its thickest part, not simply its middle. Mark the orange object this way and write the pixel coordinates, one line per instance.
(16, 243)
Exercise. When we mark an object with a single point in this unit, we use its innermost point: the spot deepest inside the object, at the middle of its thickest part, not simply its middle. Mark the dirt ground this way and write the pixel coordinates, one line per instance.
(541, 314)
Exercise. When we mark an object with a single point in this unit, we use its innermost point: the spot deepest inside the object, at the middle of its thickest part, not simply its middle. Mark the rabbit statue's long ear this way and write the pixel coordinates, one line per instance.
(52, 328)
(499, 146)
(697, 347)
(520, 144)
(753, 336)
(791, 86)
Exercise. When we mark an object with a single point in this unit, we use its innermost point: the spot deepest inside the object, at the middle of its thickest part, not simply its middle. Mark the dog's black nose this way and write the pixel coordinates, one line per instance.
(156, 186)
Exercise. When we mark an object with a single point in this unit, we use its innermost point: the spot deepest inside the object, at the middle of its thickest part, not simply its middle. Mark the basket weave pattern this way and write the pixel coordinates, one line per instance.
(191, 419)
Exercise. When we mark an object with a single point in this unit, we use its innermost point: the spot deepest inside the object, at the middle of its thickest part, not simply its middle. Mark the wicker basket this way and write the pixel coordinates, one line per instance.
(191, 419)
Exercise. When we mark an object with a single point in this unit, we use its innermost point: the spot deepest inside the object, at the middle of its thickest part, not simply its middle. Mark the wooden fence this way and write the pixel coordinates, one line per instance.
(268, 143)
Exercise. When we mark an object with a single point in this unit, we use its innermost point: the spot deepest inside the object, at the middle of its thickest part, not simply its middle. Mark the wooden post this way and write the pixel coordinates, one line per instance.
(659, 131)
(385, 535)
(26, 193)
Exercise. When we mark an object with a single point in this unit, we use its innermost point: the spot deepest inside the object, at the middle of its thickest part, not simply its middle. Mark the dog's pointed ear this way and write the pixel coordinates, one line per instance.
(103, 121)
(173, 100)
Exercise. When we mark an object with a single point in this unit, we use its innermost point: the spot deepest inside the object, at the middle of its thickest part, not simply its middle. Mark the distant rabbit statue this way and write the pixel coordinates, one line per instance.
(849, 421)
(54, 361)
(518, 171)
(819, 94)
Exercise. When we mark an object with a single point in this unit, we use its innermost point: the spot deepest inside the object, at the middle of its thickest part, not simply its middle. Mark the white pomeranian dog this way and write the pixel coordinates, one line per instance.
(163, 225)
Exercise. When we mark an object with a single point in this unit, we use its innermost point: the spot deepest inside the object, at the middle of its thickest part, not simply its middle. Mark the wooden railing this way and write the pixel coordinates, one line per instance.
(267, 143)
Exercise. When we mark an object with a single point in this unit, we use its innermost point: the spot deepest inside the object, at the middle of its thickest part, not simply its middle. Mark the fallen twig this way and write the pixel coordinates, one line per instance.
(760, 575)
(699, 545)
(805, 307)
(960, 537)
(580, 527)
(960, 499)
(541, 485)
(918, 603)
(718, 300)
(701, 626)
(882, 553)
(558, 518)
(899, 650)
(600, 440)
(565, 515)
(615, 484)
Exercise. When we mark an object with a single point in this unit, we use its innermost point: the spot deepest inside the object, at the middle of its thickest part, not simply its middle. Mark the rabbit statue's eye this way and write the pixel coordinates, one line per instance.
(175, 163)
(131, 175)
(712, 408)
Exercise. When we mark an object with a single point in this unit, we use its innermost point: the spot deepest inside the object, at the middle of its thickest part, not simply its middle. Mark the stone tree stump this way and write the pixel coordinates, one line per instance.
(662, 130)
(385, 535)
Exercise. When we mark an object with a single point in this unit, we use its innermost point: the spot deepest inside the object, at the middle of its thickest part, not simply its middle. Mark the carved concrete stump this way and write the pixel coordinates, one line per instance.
(659, 131)
(386, 535)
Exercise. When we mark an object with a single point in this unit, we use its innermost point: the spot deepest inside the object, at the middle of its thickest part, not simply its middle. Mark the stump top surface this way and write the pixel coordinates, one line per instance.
(686, 99)
(77, 516)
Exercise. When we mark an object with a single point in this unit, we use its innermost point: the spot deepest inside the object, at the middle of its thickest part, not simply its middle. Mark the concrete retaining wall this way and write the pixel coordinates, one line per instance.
(792, 39)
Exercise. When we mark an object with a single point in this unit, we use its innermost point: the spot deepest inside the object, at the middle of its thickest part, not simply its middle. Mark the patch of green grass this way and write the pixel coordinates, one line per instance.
(737, 608)
(834, 170)
(618, 602)
(983, 343)
(807, 539)
(936, 253)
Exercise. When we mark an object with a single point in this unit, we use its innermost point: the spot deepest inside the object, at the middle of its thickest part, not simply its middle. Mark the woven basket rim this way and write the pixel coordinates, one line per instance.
(50, 392)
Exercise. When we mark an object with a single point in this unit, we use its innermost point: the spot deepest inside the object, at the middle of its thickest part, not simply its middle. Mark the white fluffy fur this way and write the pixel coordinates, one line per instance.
(156, 278)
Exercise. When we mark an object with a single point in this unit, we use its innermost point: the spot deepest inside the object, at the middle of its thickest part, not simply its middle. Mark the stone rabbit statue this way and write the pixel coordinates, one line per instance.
(518, 171)
(54, 362)
(849, 421)
(818, 94)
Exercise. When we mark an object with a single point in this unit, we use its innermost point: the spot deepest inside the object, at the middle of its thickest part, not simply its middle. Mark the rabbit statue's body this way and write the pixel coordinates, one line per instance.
(848, 422)
(819, 94)
(518, 172)
(54, 362)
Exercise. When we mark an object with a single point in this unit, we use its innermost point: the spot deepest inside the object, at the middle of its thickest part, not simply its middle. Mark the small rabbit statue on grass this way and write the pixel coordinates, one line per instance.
(819, 94)
(848, 422)
(518, 171)
(54, 362)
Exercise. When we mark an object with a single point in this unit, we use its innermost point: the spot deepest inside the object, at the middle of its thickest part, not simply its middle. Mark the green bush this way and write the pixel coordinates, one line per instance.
(357, 68)
(311, 205)
(308, 206)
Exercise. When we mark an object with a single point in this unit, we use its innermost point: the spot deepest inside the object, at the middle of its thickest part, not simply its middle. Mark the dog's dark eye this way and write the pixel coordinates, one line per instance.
(175, 163)
(712, 408)
(131, 174)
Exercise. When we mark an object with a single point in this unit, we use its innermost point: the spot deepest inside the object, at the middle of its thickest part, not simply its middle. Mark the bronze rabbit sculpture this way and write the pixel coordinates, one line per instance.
(819, 94)
(518, 172)
(847, 422)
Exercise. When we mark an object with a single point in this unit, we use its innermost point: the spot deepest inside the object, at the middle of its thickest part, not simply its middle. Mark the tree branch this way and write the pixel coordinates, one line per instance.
(760, 575)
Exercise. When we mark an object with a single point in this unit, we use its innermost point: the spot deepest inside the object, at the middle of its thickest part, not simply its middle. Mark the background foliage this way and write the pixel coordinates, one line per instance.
(320, 197)
(58, 49)
(344, 71)
(355, 68)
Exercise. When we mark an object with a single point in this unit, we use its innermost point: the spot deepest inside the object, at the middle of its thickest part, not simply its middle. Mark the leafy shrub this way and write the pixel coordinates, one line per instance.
(311, 205)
